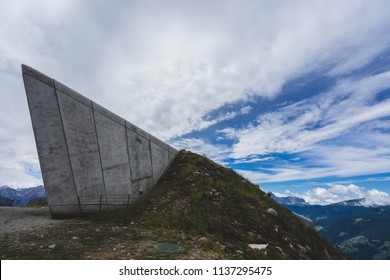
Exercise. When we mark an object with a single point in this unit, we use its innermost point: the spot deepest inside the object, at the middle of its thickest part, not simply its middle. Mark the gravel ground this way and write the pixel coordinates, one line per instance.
(16, 219)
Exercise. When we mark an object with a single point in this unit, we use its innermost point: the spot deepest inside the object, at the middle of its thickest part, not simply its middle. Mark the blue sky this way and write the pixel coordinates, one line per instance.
(294, 95)
(321, 130)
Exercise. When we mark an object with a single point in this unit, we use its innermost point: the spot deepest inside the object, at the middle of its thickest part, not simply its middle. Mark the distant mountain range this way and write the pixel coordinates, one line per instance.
(205, 207)
(21, 197)
(352, 202)
(288, 200)
(359, 231)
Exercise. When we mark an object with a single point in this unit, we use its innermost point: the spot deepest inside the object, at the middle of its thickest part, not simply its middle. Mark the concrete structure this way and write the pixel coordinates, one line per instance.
(91, 159)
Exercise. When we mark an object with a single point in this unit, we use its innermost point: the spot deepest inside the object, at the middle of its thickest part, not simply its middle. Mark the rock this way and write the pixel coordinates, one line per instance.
(75, 238)
(258, 246)
(280, 249)
(52, 246)
(272, 212)
(302, 249)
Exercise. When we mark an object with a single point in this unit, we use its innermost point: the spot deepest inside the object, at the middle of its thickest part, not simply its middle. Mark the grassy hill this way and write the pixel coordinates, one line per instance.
(203, 198)
(208, 210)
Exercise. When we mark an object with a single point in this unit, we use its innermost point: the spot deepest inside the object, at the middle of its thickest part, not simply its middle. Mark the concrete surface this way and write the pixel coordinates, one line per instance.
(91, 159)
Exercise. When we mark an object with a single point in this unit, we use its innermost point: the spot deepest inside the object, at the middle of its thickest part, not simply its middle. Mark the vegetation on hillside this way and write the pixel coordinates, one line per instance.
(201, 197)
(209, 210)
(359, 232)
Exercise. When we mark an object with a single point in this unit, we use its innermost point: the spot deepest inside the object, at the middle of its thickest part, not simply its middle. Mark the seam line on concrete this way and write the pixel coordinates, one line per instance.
(141, 179)
(151, 159)
(100, 155)
(39, 79)
(138, 134)
(164, 148)
(66, 143)
(74, 98)
(100, 112)
(128, 156)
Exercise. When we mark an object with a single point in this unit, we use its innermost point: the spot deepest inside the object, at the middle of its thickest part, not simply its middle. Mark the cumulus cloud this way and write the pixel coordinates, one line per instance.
(216, 152)
(334, 193)
(210, 55)
(166, 65)
(187, 58)
(376, 197)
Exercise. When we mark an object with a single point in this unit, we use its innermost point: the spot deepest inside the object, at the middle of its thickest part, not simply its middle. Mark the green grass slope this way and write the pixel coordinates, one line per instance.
(208, 210)
(202, 198)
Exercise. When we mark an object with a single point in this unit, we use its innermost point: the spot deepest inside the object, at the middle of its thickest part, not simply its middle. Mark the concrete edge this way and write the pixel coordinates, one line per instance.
(27, 70)
(107, 113)
(159, 142)
(72, 93)
(164, 172)
(137, 130)
(172, 150)
(95, 106)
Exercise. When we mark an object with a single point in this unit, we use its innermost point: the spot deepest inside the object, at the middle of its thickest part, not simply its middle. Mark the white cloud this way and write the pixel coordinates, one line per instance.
(187, 58)
(280, 174)
(216, 152)
(299, 126)
(166, 65)
(325, 161)
(376, 197)
(334, 193)
(342, 132)
(253, 159)
(209, 67)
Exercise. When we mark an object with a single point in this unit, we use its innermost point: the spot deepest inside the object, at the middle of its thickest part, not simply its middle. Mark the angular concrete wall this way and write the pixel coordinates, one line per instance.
(91, 159)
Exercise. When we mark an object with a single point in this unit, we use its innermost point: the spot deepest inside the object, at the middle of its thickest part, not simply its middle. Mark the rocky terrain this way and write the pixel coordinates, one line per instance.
(208, 210)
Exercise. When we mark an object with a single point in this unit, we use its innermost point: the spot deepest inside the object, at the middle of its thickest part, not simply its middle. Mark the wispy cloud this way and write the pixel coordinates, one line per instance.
(299, 126)
(325, 161)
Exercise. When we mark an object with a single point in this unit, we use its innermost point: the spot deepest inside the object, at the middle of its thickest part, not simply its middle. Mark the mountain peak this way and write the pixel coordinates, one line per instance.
(288, 200)
(350, 202)
(21, 196)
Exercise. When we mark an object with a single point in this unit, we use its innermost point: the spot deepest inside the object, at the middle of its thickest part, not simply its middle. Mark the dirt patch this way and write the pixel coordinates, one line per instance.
(30, 233)
(17, 219)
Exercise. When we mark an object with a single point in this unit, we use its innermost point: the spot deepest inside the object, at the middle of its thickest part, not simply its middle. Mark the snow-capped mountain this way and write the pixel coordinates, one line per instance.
(288, 200)
(21, 197)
